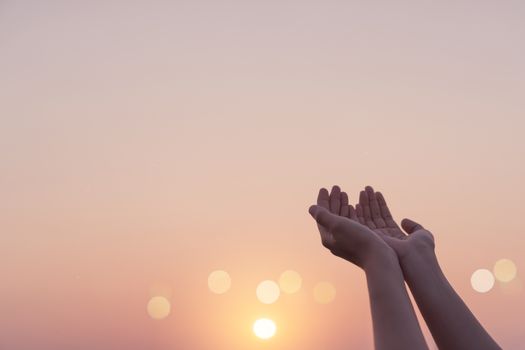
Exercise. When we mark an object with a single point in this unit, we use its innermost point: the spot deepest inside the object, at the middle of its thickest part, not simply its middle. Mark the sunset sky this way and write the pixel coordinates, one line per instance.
(146, 144)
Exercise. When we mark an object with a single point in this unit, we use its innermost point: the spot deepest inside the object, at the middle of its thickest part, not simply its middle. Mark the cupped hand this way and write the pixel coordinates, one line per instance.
(373, 212)
(342, 233)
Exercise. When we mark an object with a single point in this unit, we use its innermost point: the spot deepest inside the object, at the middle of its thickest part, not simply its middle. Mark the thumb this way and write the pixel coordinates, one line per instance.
(410, 226)
(326, 219)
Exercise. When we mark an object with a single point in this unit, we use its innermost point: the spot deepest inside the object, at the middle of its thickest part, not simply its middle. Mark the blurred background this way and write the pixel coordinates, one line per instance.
(146, 144)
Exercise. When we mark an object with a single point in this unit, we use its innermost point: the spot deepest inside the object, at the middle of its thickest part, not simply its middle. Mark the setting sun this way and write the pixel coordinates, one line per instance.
(264, 328)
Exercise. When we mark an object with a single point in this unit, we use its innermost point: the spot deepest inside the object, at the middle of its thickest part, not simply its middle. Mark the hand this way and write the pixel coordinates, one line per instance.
(373, 212)
(341, 232)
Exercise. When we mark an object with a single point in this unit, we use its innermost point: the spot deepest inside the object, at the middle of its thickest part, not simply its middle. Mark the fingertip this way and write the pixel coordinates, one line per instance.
(410, 225)
(323, 197)
(406, 221)
(370, 193)
(312, 210)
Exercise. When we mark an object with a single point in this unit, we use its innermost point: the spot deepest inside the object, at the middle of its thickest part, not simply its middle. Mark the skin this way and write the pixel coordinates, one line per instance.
(394, 321)
(450, 321)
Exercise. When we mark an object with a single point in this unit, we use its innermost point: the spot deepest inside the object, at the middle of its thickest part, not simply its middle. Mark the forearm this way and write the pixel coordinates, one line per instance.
(450, 321)
(394, 320)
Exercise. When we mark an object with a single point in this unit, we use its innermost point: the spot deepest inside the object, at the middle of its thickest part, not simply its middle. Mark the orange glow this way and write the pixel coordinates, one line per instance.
(146, 145)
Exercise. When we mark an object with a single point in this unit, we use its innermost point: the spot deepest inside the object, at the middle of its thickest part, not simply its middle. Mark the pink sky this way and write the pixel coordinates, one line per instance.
(152, 142)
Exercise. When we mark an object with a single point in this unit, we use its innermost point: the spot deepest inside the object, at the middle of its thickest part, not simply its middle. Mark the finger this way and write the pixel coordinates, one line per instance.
(367, 215)
(374, 208)
(410, 226)
(344, 205)
(333, 223)
(385, 212)
(352, 214)
(359, 214)
(335, 200)
(323, 199)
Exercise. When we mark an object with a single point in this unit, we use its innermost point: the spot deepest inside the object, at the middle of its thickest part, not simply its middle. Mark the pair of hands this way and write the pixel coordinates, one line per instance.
(367, 231)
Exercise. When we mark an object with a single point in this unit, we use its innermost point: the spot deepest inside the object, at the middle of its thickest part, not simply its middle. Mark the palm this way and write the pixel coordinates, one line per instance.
(373, 212)
(337, 203)
(352, 239)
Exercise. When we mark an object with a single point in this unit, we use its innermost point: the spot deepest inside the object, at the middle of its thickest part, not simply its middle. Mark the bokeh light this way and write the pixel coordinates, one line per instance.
(268, 292)
(219, 282)
(290, 282)
(324, 292)
(264, 328)
(159, 307)
(505, 270)
(482, 280)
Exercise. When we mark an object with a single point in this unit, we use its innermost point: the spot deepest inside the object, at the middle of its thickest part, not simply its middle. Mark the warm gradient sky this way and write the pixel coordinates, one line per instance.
(145, 144)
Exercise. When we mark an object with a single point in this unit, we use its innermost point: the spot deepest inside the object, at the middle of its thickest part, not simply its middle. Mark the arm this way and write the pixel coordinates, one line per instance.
(452, 324)
(450, 321)
(394, 321)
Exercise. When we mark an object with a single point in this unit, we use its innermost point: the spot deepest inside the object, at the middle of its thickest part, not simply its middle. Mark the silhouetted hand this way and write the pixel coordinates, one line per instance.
(452, 324)
(354, 237)
(342, 233)
(373, 212)
(394, 320)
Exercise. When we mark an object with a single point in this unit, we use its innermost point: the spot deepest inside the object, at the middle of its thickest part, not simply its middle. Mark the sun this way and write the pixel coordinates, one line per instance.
(264, 328)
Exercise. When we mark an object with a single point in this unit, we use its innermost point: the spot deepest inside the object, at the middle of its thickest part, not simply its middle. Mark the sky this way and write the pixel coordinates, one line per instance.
(146, 144)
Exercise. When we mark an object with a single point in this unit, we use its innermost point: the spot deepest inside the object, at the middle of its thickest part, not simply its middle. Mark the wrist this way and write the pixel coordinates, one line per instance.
(381, 257)
(417, 255)
(422, 265)
(383, 267)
